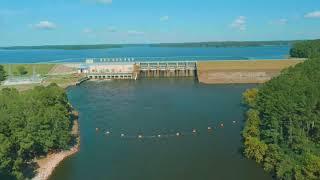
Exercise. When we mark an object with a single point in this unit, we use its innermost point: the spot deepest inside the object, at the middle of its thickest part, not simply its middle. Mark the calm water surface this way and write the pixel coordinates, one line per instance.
(152, 107)
(145, 53)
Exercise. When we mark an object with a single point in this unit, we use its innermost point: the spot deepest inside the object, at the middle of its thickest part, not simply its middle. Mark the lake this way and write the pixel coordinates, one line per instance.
(159, 107)
(145, 53)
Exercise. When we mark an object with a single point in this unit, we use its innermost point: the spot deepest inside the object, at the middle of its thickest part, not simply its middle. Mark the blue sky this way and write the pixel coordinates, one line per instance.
(40, 22)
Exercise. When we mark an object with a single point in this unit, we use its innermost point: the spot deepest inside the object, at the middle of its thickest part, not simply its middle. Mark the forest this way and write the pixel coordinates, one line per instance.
(32, 123)
(306, 49)
(282, 128)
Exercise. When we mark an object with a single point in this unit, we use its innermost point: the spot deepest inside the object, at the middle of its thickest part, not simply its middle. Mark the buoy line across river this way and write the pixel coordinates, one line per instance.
(140, 135)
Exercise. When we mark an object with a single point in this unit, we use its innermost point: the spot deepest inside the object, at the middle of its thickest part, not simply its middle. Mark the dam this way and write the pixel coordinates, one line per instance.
(208, 72)
(128, 69)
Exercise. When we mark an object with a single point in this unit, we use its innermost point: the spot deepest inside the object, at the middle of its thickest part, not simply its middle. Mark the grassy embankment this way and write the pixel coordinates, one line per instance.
(42, 69)
(50, 72)
(248, 65)
(253, 71)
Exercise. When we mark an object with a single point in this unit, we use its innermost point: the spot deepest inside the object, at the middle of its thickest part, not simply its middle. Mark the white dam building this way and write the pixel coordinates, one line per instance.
(103, 69)
(117, 69)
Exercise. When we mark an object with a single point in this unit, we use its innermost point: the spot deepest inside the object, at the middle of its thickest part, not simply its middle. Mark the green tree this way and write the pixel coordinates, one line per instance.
(284, 117)
(252, 124)
(311, 169)
(2, 73)
(272, 158)
(32, 123)
(255, 149)
(250, 96)
(22, 70)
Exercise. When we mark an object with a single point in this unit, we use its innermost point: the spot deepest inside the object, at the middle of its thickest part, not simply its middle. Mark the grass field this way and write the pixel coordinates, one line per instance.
(41, 69)
(63, 81)
(266, 65)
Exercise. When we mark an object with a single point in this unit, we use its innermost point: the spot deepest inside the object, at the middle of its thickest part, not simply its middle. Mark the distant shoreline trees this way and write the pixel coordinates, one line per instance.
(282, 128)
(32, 123)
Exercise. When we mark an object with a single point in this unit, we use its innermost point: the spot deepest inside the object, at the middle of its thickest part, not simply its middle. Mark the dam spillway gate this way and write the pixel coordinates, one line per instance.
(167, 69)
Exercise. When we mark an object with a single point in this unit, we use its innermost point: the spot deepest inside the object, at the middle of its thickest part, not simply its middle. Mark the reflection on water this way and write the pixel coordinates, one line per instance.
(135, 113)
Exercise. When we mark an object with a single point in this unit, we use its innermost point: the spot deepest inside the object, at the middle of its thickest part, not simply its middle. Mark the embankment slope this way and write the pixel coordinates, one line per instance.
(253, 71)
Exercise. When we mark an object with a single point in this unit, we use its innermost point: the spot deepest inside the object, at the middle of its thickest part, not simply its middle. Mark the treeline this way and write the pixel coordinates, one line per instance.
(187, 44)
(306, 49)
(282, 129)
(32, 123)
(226, 44)
(65, 47)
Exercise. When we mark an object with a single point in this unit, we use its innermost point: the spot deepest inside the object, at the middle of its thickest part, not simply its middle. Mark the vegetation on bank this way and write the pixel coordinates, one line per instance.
(306, 49)
(2, 73)
(282, 129)
(226, 44)
(64, 47)
(32, 124)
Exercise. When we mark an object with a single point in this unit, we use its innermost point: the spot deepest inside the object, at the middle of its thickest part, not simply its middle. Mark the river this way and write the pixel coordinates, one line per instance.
(159, 107)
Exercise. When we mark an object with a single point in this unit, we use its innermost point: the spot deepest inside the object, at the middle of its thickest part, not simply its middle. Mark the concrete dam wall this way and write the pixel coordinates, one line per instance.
(167, 69)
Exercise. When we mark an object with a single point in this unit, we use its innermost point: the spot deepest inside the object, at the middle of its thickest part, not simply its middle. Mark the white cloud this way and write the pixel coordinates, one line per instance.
(135, 33)
(282, 21)
(314, 14)
(164, 18)
(45, 25)
(103, 1)
(239, 23)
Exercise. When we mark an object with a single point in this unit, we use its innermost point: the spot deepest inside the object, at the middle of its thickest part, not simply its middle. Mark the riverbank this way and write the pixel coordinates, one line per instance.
(47, 164)
(237, 72)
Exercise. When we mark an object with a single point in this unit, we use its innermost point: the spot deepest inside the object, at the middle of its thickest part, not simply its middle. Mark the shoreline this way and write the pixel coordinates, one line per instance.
(48, 164)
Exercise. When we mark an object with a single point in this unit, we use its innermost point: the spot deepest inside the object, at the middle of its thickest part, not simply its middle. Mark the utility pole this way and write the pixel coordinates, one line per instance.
(9, 73)
(34, 73)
